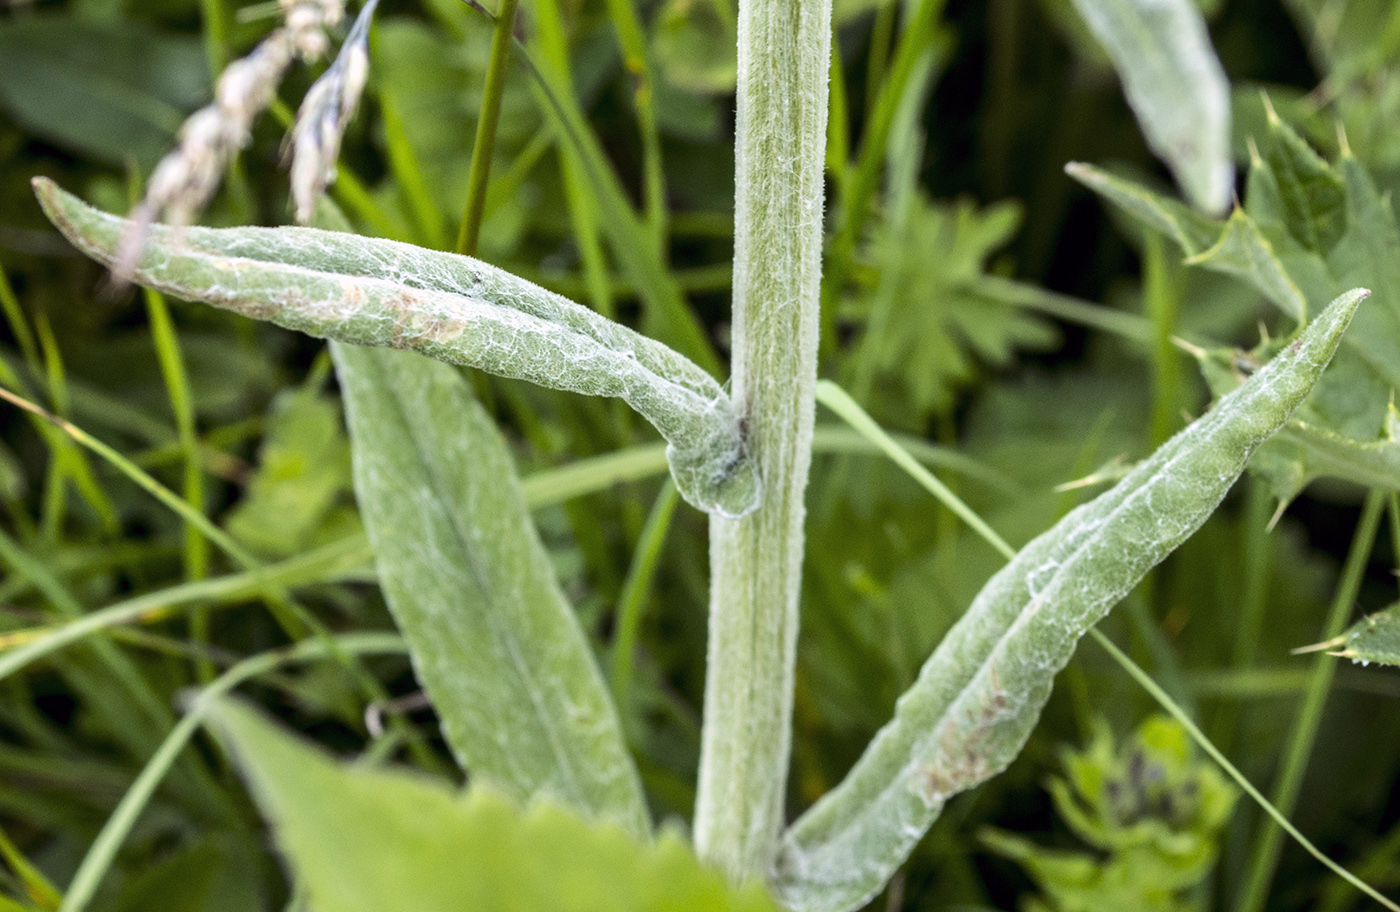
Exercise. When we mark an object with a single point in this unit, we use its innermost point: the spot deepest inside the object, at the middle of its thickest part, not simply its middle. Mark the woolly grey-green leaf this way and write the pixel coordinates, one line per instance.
(979, 696)
(1176, 87)
(452, 308)
(494, 641)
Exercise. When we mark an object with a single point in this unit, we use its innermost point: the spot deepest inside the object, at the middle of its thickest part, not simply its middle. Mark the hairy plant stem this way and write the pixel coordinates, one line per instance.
(756, 562)
(480, 174)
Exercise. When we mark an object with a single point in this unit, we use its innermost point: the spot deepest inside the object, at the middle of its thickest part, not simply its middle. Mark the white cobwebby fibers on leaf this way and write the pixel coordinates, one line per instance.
(452, 308)
(979, 696)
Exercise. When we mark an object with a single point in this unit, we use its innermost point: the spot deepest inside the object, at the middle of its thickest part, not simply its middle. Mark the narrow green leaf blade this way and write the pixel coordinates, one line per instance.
(980, 694)
(381, 840)
(452, 308)
(1175, 85)
(494, 642)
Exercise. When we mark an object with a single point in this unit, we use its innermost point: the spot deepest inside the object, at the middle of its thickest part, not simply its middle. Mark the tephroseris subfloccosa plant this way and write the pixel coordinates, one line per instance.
(968, 715)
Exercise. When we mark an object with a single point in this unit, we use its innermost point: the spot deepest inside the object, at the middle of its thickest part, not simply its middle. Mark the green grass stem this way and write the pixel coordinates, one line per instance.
(1289, 783)
(485, 144)
(632, 601)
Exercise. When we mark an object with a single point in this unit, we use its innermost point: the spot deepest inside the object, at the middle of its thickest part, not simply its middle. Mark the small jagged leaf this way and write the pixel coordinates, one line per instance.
(925, 324)
(980, 694)
(1374, 638)
(452, 308)
(360, 839)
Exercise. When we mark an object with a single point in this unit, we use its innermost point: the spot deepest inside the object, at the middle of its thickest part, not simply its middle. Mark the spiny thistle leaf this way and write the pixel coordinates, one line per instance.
(1374, 638)
(1308, 231)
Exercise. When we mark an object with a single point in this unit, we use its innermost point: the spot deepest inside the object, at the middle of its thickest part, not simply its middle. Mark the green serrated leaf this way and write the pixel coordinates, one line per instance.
(494, 642)
(1245, 252)
(925, 323)
(1150, 811)
(384, 840)
(980, 694)
(1308, 230)
(1176, 87)
(453, 308)
(1312, 193)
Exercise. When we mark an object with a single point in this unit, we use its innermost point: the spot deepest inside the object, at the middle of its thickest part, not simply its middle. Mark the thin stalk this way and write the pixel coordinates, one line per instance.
(1300, 743)
(784, 56)
(634, 596)
(1163, 293)
(634, 51)
(584, 214)
(480, 174)
(177, 384)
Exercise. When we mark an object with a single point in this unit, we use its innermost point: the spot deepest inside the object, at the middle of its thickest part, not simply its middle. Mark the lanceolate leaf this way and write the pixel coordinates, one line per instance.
(374, 840)
(1176, 87)
(980, 694)
(452, 308)
(494, 642)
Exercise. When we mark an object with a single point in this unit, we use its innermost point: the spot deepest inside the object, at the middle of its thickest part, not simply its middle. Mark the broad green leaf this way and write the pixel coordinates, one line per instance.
(111, 90)
(360, 839)
(494, 641)
(1175, 85)
(979, 696)
(449, 307)
(303, 471)
(1374, 638)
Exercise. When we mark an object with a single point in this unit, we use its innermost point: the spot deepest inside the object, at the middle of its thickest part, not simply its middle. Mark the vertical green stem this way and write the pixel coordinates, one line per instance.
(480, 174)
(784, 55)
(1300, 742)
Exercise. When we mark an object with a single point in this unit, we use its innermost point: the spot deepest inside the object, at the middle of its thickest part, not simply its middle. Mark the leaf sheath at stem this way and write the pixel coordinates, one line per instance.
(756, 562)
